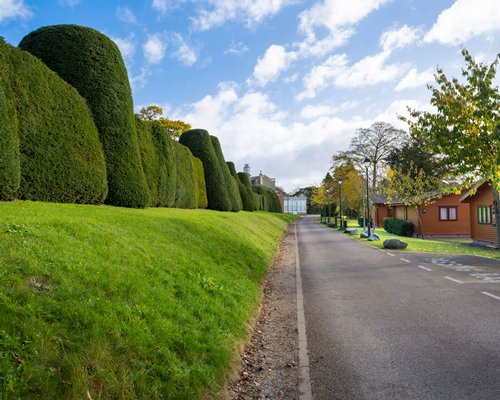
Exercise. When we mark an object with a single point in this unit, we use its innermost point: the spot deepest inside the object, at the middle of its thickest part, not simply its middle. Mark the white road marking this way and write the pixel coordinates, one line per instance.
(405, 260)
(453, 279)
(305, 390)
(491, 295)
(427, 269)
(390, 254)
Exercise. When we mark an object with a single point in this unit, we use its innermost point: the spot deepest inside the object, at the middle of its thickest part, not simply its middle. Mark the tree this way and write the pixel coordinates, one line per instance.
(376, 143)
(465, 127)
(352, 186)
(413, 188)
(155, 113)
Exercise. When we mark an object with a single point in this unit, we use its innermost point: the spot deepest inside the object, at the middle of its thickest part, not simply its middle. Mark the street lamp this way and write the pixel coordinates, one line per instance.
(340, 202)
(329, 210)
(366, 163)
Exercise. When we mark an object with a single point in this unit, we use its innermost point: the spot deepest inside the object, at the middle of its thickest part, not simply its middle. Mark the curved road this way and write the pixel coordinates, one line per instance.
(384, 325)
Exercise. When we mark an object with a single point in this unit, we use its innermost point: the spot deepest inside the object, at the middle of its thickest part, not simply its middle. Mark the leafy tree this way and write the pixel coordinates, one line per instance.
(465, 127)
(155, 113)
(414, 188)
(352, 185)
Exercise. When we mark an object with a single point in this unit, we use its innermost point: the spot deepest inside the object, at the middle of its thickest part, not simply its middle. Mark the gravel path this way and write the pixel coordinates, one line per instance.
(269, 362)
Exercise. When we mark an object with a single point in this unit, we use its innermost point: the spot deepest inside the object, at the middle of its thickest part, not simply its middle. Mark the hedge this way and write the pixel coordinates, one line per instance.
(60, 155)
(201, 195)
(398, 227)
(198, 141)
(186, 189)
(242, 191)
(158, 162)
(10, 167)
(268, 199)
(232, 188)
(92, 63)
(248, 197)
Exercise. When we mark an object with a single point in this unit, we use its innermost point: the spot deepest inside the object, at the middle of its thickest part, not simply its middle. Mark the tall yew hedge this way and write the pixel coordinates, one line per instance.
(198, 141)
(232, 188)
(247, 194)
(186, 189)
(92, 63)
(50, 126)
(201, 194)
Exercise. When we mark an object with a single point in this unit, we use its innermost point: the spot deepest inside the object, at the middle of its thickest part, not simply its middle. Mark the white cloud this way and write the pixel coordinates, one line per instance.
(162, 5)
(395, 39)
(275, 60)
(140, 80)
(464, 20)
(311, 112)
(335, 14)
(400, 107)
(154, 49)
(250, 11)
(126, 46)
(335, 71)
(126, 15)
(236, 48)
(11, 9)
(415, 79)
(185, 53)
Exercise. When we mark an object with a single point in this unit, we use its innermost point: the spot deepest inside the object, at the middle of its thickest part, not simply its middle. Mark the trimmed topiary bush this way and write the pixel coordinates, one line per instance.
(268, 199)
(10, 167)
(61, 157)
(232, 189)
(186, 189)
(201, 194)
(398, 227)
(198, 141)
(247, 194)
(92, 63)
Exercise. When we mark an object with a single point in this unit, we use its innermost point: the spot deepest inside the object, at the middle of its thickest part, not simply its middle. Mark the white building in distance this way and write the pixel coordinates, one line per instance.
(295, 205)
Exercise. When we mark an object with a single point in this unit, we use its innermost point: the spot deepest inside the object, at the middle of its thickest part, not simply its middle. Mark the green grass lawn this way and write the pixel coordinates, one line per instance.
(112, 303)
(427, 245)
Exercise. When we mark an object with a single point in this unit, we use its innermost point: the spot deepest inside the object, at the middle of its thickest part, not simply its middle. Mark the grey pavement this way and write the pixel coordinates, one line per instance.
(393, 325)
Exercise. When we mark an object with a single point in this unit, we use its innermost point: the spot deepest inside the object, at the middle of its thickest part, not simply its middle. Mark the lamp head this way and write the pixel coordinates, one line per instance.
(366, 162)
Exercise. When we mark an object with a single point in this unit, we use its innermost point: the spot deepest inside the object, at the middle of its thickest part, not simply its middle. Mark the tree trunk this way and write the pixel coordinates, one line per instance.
(420, 223)
(496, 206)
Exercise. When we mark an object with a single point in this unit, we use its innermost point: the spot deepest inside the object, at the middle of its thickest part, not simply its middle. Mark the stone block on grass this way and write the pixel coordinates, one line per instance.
(395, 244)
(351, 231)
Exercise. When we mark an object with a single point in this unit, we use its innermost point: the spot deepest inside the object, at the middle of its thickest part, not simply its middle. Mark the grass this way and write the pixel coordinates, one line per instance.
(112, 303)
(441, 246)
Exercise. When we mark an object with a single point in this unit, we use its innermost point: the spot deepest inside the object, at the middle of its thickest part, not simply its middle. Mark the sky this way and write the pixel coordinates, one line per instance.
(283, 84)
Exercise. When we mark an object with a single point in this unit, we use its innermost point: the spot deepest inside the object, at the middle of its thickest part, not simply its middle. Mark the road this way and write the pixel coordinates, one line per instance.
(392, 325)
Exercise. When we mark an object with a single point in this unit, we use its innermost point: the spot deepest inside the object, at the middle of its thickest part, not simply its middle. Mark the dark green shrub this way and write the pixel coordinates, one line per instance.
(398, 227)
(237, 184)
(92, 63)
(61, 157)
(232, 188)
(198, 141)
(268, 199)
(158, 162)
(10, 168)
(186, 188)
(246, 192)
(201, 197)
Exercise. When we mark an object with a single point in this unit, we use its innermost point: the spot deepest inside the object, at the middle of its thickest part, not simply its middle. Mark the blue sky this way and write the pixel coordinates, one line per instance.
(284, 84)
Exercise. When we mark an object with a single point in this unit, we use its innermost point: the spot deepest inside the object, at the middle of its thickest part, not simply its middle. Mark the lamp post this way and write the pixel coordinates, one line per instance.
(340, 202)
(329, 210)
(366, 163)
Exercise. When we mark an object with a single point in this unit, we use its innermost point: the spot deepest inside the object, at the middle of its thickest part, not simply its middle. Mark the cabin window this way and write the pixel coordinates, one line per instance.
(484, 214)
(390, 212)
(448, 213)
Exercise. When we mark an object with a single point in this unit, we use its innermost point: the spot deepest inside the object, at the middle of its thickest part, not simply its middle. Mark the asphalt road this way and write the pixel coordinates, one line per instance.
(392, 325)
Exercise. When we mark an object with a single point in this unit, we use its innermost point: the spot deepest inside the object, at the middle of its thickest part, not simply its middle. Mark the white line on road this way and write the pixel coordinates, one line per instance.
(305, 391)
(392, 255)
(453, 279)
(427, 269)
(491, 295)
(405, 260)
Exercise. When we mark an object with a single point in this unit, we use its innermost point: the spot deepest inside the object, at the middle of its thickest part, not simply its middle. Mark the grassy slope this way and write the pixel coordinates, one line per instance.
(440, 246)
(125, 303)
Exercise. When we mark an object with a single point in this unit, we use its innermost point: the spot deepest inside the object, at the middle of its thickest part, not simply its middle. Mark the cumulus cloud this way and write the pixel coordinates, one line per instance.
(314, 111)
(400, 107)
(185, 53)
(250, 11)
(464, 20)
(253, 129)
(11, 9)
(236, 48)
(275, 60)
(125, 14)
(415, 79)
(397, 38)
(154, 49)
